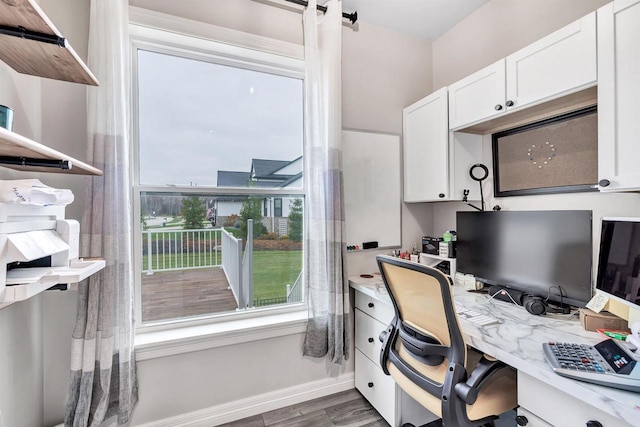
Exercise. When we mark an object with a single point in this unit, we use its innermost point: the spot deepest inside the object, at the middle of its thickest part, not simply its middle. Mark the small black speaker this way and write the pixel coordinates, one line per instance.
(504, 294)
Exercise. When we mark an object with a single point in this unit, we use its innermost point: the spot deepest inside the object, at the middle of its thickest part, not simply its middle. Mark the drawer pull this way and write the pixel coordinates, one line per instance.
(371, 386)
(370, 339)
(370, 305)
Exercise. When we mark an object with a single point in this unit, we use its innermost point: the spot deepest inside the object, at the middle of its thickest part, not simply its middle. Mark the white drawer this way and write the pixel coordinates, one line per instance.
(375, 308)
(379, 389)
(531, 419)
(367, 332)
(558, 408)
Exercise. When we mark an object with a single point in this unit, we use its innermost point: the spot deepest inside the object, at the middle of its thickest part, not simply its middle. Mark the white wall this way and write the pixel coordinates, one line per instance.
(21, 371)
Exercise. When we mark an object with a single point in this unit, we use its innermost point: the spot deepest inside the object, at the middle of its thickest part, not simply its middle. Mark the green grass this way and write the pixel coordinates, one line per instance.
(272, 270)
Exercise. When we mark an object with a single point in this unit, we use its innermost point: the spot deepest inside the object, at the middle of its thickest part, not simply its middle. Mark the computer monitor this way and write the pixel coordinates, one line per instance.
(619, 260)
(546, 254)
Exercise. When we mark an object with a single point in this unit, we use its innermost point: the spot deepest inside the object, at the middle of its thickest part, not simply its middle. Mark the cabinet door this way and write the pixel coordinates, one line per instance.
(558, 408)
(556, 65)
(619, 95)
(379, 389)
(477, 97)
(426, 154)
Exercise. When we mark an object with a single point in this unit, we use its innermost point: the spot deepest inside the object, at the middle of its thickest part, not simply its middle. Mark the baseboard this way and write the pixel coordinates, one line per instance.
(232, 411)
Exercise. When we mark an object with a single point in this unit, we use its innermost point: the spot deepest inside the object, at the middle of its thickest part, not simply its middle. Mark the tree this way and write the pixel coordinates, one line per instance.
(251, 209)
(295, 220)
(193, 212)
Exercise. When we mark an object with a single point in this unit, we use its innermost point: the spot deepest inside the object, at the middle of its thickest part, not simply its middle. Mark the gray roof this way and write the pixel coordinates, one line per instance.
(233, 179)
(264, 175)
(265, 169)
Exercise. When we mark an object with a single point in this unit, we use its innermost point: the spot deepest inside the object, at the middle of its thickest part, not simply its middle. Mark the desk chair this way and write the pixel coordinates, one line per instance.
(425, 353)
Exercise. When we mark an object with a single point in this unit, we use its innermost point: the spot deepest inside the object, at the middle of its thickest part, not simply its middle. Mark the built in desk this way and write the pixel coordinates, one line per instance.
(545, 398)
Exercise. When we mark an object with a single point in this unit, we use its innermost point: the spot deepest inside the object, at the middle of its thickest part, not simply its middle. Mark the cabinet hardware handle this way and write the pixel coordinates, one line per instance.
(604, 183)
(509, 103)
(370, 305)
(371, 386)
(593, 423)
(498, 107)
(441, 195)
(521, 420)
(370, 339)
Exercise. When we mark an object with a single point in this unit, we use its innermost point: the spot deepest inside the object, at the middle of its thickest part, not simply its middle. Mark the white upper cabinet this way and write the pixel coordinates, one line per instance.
(437, 161)
(559, 64)
(619, 96)
(477, 97)
(425, 135)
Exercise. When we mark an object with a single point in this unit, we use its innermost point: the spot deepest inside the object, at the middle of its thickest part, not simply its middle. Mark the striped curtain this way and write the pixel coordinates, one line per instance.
(103, 371)
(329, 324)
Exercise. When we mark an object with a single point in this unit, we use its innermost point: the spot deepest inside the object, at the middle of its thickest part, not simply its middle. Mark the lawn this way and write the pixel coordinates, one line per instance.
(272, 270)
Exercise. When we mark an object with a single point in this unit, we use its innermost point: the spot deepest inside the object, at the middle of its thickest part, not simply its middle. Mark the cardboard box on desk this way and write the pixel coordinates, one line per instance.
(590, 320)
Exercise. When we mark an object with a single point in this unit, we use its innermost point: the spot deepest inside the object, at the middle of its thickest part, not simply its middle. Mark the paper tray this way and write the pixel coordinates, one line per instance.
(23, 283)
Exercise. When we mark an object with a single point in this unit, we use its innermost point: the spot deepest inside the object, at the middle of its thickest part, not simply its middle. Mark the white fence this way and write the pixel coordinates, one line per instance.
(239, 269)
(294, 293)
(168, 250)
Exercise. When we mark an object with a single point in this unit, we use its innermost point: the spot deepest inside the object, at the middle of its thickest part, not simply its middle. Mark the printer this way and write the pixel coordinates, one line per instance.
(39, 250)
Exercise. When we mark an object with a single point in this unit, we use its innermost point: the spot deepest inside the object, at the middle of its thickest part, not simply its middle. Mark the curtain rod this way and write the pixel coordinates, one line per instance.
(352, 17)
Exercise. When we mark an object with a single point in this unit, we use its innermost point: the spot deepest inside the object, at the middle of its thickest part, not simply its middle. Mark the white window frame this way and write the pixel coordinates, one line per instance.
(191, 39)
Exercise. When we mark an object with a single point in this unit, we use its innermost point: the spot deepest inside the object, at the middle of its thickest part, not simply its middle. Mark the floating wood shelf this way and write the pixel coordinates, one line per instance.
(24, 154)
(31, 44)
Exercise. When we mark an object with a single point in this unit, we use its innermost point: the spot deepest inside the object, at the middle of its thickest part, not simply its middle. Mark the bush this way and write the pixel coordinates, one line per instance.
(231, 220)
(269, 236)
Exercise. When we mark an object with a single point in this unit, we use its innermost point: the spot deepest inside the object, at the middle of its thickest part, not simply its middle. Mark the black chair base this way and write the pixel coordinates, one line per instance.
(436, 423)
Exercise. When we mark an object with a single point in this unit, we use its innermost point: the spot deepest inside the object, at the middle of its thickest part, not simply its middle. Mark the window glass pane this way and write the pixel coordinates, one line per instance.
(197, 259)
(207, 124)
(277, 207)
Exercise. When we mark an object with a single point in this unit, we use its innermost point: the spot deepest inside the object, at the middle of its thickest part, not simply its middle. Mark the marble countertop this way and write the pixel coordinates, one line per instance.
(518, 340)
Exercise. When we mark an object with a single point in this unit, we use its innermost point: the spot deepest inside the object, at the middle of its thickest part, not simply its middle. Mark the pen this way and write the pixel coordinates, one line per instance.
(618, 336)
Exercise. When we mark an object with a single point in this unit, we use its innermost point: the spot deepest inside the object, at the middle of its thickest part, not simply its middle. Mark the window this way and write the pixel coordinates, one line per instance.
(277, 207)
(218, 180)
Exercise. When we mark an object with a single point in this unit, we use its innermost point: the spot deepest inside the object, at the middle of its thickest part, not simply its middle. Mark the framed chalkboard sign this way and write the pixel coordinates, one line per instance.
(372, 188)
(555, 155)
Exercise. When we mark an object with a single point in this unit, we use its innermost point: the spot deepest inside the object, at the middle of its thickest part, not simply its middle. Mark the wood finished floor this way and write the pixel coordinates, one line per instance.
(185, 293)
(348, 408)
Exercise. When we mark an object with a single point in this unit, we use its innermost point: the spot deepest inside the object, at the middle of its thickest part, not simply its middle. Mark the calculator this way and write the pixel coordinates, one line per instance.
(605, 363)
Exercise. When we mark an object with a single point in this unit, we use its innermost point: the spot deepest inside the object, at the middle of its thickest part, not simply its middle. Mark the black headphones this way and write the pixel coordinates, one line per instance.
(538, 306)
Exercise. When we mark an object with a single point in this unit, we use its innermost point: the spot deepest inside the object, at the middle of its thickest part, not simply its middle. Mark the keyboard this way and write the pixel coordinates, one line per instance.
(605, 364)
(475, 317)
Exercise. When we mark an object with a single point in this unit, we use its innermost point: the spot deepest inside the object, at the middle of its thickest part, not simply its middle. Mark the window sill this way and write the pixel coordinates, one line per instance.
(152, 345)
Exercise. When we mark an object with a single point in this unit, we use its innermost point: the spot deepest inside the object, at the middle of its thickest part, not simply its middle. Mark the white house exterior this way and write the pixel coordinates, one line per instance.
(280, 174)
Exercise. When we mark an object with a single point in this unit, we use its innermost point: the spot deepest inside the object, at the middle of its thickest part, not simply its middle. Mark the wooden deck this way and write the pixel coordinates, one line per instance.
(185, 293)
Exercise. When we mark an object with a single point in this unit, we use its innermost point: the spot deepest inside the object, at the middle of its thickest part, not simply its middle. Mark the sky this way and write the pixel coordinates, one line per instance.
(197, 117)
